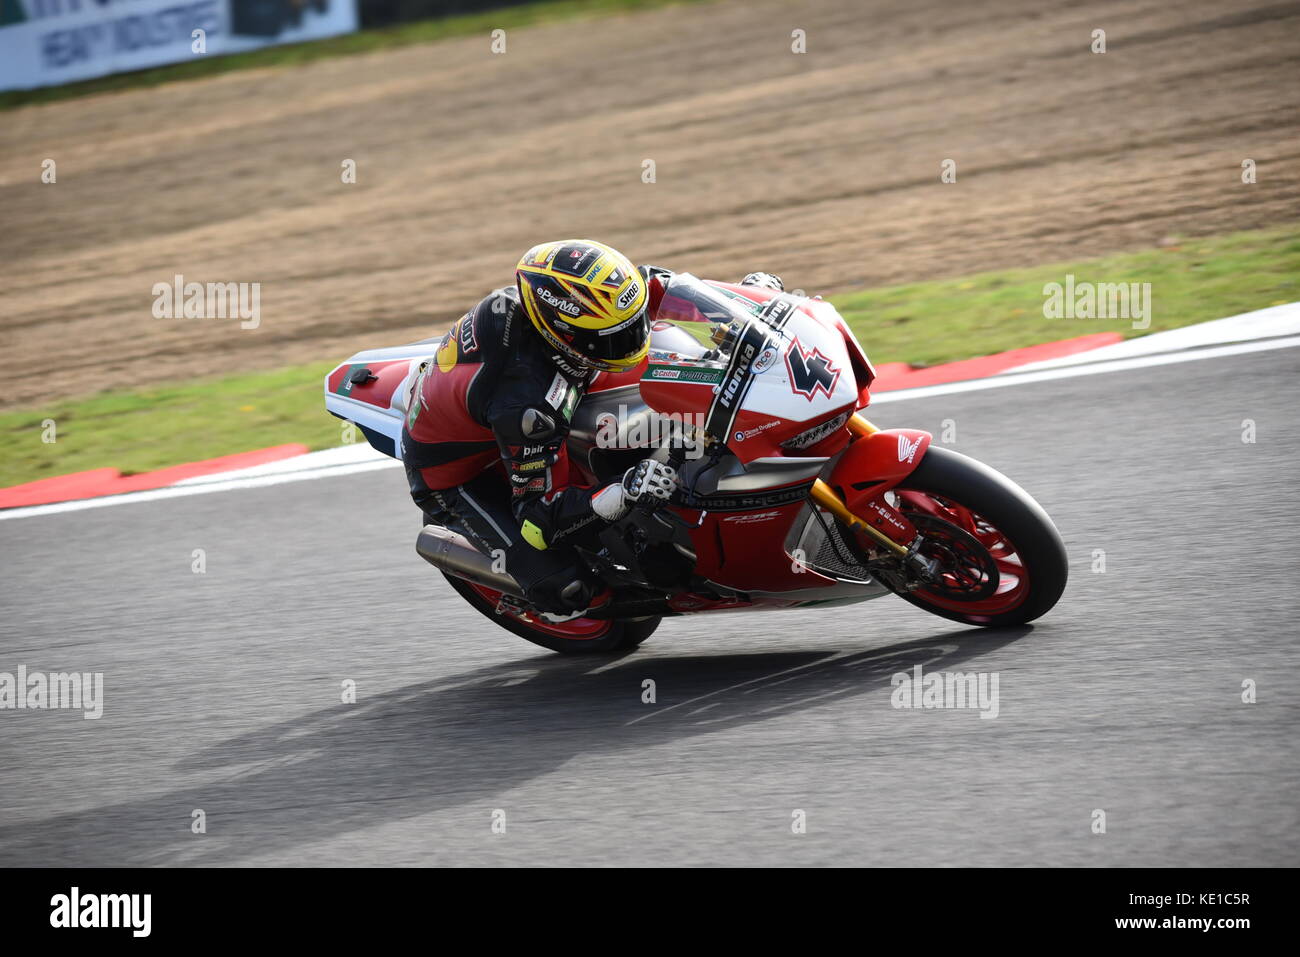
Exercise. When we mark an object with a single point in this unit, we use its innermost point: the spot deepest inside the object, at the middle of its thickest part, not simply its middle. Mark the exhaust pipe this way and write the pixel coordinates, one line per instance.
(452, 553)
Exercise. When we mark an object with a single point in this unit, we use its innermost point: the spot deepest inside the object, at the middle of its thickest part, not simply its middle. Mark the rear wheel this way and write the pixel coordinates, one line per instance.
(1000, 559)
(577, 637)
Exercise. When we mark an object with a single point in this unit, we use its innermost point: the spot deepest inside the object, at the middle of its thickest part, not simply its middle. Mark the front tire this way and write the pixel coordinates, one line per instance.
(951, 490)
(582, 636)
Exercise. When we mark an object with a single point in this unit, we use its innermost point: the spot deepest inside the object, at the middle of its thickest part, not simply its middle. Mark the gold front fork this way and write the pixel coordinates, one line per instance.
(825, 496)
(860, 426)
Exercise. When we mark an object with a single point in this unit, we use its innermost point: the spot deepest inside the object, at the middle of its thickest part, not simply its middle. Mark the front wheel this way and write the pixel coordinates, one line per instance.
(1001, 561)
(578, 637)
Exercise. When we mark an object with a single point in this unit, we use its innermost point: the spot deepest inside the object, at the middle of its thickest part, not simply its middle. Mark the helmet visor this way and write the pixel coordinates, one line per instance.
(619, 347)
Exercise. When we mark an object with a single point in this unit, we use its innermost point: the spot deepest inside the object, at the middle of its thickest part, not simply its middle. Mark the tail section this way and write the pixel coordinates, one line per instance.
(373, 388)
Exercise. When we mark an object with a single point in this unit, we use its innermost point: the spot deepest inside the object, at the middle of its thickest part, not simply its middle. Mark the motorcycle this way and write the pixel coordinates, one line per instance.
(789, 496)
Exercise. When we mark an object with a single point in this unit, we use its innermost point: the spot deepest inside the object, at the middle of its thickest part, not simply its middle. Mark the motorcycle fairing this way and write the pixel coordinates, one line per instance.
(373, 389)
(792, 365)
(873, 464)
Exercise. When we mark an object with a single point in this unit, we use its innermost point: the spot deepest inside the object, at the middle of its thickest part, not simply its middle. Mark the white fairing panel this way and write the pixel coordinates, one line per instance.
(805, 375)
(386, 422)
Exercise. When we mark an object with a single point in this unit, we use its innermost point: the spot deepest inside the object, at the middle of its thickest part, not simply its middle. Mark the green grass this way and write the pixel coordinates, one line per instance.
(931, 322)
(921, 323)
(147, 429)
(365, 41)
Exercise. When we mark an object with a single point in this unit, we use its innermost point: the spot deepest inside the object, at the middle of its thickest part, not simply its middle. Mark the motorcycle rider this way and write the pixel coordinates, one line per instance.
(501, 391)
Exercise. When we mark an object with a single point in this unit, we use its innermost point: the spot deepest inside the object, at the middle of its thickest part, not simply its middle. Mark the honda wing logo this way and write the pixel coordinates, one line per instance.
(810, 371)
(906, 449)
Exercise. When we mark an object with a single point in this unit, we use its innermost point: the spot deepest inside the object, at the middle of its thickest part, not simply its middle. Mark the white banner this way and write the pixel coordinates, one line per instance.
(47, 42)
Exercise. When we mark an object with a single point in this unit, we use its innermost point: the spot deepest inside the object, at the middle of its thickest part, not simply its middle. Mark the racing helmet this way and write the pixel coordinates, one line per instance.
(587, 301)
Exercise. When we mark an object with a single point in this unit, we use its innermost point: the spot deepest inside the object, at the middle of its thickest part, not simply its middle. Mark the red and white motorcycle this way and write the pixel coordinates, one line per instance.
(790, 498)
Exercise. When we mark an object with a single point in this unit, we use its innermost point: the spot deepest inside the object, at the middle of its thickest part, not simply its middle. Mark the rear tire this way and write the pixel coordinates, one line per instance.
(1010, 510)
(620, 636)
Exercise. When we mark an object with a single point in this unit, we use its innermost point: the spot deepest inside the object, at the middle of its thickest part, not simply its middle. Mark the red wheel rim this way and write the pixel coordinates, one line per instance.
(579, 629)
(1013, 577)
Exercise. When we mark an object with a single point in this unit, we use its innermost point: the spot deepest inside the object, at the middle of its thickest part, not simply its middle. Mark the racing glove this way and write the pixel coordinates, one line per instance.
(765, 280)
(647, 481)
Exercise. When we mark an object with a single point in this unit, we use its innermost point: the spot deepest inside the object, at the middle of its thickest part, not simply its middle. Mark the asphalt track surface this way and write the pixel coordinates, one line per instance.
(222, 690)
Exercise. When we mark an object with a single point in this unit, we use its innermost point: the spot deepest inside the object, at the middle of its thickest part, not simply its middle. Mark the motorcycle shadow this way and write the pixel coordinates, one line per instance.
(462, 741)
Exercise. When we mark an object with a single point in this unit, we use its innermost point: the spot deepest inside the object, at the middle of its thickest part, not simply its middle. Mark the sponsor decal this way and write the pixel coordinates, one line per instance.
(751, 517)
(748, 502)
(906, 449)
(576, 260)
(749, 434)
(810, 372)
(778, 311)
(818, 432)
(683, 374)
(571, 403)
(558, 391)
(738, 376)
(885, 514)
(566, 306)
(635, 318)
(766, 359)
(591, 273)
(532, 487)
(465, 332)
(567, 367)
(736, 381)
(574, 526)
(629, 295)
